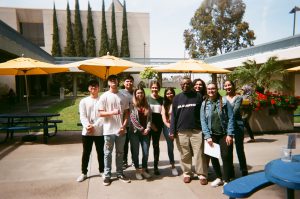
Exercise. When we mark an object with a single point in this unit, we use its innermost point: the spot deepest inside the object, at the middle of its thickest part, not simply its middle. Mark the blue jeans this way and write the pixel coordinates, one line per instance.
(169, 144)
(135, 140)
(109, 141)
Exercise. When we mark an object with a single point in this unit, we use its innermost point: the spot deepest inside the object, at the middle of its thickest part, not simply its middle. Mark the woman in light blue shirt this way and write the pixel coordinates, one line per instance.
(218, 127)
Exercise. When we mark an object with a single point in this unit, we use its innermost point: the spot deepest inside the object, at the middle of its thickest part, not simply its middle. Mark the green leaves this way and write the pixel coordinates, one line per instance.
(125, 41)
(269, 75)
(90, 34)
(56, 50)
(78, 37)
(217, 28)
(69, 50)
(114, 45)
(148, 73)
(104, 45)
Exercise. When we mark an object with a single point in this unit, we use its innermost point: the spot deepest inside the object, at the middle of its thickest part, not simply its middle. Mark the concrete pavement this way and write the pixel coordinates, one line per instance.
(48, 171)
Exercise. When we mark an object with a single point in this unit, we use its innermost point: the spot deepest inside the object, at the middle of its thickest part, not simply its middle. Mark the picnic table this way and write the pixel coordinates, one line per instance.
(285, 174)
(29, 121)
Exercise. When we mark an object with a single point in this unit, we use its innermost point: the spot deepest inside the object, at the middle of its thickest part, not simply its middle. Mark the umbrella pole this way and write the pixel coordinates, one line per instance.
(26, 88)
(106, 72)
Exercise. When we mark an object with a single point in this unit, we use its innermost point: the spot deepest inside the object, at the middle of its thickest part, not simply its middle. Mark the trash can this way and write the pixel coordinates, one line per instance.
(61, 93)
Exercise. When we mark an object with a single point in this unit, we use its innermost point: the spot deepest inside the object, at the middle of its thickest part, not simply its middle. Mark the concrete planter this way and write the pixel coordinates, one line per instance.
(268, 120)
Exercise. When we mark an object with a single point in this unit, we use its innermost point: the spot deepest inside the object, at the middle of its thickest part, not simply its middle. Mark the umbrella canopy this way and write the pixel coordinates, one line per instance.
(104, 66)
(27, 66)
(190, 66)
(295, 69)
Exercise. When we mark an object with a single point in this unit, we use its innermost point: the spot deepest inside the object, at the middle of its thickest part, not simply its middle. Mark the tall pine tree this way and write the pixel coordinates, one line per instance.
(78, 37)
(56, 50)
(90, 34)
(114, 44)
(104, 45)
(69, 50)
(125, 41)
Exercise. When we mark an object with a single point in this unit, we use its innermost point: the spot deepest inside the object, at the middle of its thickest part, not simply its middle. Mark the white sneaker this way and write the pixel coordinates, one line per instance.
(138, 175)
(146, 175)
(217, 182)
(174, 172)
(81, 178)
(102, 175)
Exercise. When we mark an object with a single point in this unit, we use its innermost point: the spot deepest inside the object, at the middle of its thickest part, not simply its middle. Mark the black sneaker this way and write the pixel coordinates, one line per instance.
(106, 181)
(123, 178)
(156, 172)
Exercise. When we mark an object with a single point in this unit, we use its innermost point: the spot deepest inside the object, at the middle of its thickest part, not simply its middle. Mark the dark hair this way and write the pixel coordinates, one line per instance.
(203, 91)
(167, 102)
(93, 82)
(112, 77)
(232, 83)
(129, 77)
(155, 82)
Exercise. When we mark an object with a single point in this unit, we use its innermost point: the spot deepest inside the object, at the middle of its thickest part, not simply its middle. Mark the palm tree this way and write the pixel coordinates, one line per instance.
(267, 76)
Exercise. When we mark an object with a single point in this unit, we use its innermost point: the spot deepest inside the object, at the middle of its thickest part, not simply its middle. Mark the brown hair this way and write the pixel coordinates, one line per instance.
(156, 83)
(140, 103)
(218, 95)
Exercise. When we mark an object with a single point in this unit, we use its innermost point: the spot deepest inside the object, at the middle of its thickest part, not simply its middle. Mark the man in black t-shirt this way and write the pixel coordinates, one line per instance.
(186, 129)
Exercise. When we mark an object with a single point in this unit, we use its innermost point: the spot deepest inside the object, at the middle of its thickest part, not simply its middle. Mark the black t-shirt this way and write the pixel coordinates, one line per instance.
(186, 112)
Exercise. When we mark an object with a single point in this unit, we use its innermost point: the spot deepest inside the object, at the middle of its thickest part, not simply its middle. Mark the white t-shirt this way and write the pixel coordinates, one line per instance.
(108, 102)
(88, 111)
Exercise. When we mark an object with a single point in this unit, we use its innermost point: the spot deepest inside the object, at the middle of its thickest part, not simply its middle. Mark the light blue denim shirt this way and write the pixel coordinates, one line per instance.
(238, 122)
(226, 117)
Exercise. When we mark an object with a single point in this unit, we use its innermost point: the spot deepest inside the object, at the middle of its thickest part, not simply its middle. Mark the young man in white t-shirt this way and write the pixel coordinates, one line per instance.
(114, 108)
(91, 129)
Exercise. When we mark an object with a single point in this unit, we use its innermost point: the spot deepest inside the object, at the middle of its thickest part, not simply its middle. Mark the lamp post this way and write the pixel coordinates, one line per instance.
(144, 53)
(294, 10)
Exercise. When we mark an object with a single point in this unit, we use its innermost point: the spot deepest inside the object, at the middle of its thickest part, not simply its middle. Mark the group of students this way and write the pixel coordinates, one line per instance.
(197, 115)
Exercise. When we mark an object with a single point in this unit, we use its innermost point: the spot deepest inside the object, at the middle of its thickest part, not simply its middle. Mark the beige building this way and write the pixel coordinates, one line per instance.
(36, 25)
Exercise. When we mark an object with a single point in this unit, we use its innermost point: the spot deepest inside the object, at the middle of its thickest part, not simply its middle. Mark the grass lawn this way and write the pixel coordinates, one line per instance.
(68, 110)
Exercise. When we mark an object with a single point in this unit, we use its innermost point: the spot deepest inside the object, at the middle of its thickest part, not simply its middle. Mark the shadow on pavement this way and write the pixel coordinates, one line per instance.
(8, 147)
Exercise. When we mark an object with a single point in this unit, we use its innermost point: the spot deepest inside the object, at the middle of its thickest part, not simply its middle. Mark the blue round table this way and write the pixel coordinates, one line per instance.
(285, 174)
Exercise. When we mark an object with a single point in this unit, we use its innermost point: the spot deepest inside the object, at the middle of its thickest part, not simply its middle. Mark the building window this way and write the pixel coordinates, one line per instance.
(34, 32)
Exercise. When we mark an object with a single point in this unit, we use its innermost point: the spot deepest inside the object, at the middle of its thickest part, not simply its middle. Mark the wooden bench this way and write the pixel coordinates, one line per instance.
(245, 186)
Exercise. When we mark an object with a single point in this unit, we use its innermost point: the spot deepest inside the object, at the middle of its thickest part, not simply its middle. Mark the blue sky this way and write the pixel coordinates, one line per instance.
(270, 19)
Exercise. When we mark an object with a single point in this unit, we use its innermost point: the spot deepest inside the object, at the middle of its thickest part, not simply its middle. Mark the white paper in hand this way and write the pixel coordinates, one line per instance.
(212, 151)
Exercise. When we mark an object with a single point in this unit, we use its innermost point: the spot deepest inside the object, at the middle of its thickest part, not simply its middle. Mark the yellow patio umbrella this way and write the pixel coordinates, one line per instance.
(190, 66)
(294, 69)
(104, 66)
(27, 66)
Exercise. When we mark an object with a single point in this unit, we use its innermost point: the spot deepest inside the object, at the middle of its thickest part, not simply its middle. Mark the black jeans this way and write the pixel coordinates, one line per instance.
(125, 157)
(248, 128)
(239, 146)
(87, 143)
(155, 136)
(227, 158)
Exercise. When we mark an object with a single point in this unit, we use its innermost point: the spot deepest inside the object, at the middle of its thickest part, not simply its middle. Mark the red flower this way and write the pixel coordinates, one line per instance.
(273, 101)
